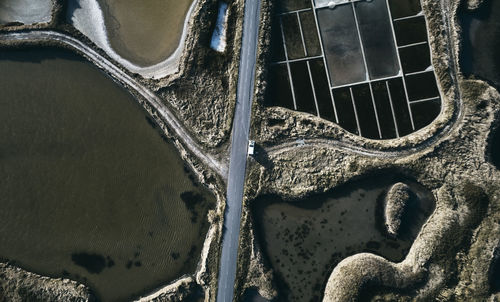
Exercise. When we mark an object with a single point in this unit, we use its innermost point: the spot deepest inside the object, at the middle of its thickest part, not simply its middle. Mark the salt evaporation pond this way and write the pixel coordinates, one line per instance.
(145, 32)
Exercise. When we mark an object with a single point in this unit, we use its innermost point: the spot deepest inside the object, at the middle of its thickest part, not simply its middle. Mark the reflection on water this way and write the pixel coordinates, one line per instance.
(481, 41)
(306, 239)
(89, 189)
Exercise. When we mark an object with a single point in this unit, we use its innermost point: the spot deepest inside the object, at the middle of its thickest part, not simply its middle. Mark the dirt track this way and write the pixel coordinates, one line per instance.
(167, 115)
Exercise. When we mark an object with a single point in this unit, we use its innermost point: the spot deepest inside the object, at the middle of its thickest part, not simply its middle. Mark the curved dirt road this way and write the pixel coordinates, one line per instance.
(173, 123)
(441, 135)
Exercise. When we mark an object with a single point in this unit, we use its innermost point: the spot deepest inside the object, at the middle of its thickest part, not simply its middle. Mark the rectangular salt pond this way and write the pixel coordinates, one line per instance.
(401, 9)
(378, 40)
(292, 5)
(280, 92)
(348, 57)
(341, 45)
(327, 3)
(293, 41)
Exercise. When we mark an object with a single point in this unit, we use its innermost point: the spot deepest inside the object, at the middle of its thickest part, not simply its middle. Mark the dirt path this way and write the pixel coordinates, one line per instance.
(152, 99)
(441, 134)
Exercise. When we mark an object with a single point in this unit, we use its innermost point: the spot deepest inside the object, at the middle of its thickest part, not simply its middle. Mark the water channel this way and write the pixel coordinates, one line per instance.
(90, 189)
(494, 146)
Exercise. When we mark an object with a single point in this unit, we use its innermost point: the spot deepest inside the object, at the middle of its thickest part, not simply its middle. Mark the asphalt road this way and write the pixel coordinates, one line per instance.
(238, 159)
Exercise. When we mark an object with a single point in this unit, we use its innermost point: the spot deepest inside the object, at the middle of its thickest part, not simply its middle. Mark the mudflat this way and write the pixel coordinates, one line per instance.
(145, 32)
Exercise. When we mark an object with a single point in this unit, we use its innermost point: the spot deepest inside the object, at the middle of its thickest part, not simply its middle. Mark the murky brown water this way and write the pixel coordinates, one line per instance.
(304, 240)
(145, 32)
(89, 189)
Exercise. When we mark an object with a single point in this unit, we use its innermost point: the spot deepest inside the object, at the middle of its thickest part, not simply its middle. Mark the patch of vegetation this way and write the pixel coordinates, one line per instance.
(192, 200)
(477, 201)
(93, 263)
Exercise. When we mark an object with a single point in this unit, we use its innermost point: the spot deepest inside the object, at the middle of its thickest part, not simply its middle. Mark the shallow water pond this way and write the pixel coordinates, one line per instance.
(304, 240)
(90, 190)
(145, 32)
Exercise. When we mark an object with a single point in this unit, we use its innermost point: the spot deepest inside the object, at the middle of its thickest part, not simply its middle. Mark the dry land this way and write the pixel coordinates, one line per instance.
(301, 157)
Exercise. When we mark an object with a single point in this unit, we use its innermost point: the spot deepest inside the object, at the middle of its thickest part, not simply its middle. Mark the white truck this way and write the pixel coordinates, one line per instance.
(251, 147)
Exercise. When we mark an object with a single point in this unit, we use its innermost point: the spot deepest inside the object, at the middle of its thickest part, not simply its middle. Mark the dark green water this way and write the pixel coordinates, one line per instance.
(89, 190)
(304, 240)
(479, 55)
(481, 40)
(252, 295)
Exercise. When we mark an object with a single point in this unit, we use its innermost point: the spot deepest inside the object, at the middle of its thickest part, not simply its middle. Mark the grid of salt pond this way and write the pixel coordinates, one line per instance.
(365, 65)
